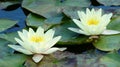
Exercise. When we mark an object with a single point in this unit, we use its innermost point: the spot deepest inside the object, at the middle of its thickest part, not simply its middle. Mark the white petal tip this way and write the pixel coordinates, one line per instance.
(37, 58)
(75, 30)
(62, 49)
(110, 32)
(69, 28)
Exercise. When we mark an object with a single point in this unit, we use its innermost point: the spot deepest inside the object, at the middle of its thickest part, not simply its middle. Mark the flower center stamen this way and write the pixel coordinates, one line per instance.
(37, 39)
(93, 22)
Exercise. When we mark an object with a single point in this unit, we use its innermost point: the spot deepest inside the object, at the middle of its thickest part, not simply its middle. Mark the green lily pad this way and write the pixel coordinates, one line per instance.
(108, 43)
(36, 21)
(72, 12)
(5, 4)
(7, 58)
(5, 24)
(52, 8)
(16, 60)
(4, 49)
(109, 2)
(111, 60)
(114, 24)
(10, 37)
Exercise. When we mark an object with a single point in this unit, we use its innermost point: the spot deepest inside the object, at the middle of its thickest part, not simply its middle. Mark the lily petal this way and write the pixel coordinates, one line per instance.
(37, 57)
(22, 36)
(23, 44)
(76, 30)
(52, 42)
(49, 34)
(31, 31)
(51, 50)
(109, 32)
(20, 49)
(78, 23)
(40, 31)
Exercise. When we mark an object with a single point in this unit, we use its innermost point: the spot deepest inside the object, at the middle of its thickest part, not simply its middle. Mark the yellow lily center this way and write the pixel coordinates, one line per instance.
(37, 39)
(93, 21)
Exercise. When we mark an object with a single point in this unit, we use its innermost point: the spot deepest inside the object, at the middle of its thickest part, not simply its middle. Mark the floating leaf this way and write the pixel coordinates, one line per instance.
(72, 12)
(9, 37)
(7, 58)
(110, 60)
(4, 49)
(108, 43)
(5, 4)
(115, 24)
(5, 24)
(36, 21)
(109, 2)
(52, 8)
(16, 60)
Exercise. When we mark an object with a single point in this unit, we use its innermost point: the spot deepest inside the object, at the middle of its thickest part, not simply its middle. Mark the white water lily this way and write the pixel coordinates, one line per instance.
(37, 43)
(93, 23)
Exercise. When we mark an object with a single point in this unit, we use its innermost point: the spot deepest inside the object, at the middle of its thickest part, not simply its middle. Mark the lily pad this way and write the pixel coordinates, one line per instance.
(114, 24)
(72, 12)
(7, 58)
(16, 60)
(36, 21)
(5, 4)
(52, 8)
(108, 43)
(5, 24)
(111, 60)
(10, 37)
(109, 2)
(4, 49)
